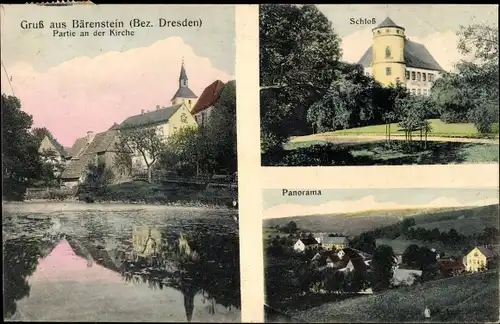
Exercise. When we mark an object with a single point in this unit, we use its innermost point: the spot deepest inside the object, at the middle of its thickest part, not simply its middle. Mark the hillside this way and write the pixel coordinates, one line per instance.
(459, 299)
(355, 223)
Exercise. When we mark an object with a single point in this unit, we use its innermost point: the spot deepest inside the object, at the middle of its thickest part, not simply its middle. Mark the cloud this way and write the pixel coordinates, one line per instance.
(364, 204)
(442, 45)
(86, 93)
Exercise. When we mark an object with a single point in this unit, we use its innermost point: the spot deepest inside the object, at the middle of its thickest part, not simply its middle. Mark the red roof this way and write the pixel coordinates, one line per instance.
(208, 97)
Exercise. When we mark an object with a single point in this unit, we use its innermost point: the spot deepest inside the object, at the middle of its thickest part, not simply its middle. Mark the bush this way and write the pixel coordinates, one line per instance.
(319, 154)
(451, 117)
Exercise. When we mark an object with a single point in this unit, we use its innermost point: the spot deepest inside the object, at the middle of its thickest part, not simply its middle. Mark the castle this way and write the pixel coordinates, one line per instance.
(394, 58)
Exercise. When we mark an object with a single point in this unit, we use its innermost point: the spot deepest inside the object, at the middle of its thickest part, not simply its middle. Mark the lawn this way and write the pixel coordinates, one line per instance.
(459, 299)
(378, 152)
(439, 128)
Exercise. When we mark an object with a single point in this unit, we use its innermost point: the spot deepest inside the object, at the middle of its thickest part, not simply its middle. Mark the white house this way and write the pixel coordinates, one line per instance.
(303, 244)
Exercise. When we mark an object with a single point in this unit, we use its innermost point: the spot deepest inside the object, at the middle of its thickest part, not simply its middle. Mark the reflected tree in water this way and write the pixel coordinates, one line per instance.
(193, 263)
(20, 259)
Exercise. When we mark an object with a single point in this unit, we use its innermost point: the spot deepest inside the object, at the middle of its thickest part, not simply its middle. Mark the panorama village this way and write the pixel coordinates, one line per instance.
(327, 252)
(186, 110)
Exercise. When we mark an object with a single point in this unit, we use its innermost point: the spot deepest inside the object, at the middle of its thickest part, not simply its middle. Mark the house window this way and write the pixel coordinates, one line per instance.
(183, 118)
(412, 91)
(407, 75)
(387, 52)
(424, 77)
(413, 75)
(418, 91)
(418, 76)
(189, 102)
(431, 77)
(388, 71)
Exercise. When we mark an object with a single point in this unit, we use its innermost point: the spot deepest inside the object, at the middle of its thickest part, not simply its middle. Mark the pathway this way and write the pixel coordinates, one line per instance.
(376, 138)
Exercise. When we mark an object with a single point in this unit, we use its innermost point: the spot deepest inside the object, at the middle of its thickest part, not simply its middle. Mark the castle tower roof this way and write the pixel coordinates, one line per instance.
(388, 23)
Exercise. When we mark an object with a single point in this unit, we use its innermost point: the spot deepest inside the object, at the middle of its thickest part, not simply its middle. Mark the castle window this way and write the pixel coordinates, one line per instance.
(189, 101)
(387, 52)
(378, 32)
(407, 75)
(412, 91)
(419, 92)
(387, 30)
(397, 31)
(424, 77)
(413, 75)
(431, 77)
(388, 71)
(418, 76)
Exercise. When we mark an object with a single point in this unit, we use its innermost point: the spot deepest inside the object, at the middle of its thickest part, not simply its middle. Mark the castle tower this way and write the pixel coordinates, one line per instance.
(388, 62)
(184, 94)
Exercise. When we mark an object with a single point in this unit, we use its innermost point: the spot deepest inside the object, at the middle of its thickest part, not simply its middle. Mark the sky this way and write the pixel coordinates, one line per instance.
(72, 85)
(334, 201)
(432, 25)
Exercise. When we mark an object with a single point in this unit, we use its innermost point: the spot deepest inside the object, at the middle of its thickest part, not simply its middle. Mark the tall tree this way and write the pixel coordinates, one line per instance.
(144, 141)
(298, 53)
(221, 130)
(20, 160)
(382, 267)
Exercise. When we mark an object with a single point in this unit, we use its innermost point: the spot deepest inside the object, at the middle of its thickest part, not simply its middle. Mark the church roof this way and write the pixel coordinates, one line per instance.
(183, 74)
(388, 23)
(415, 55)
(184, 92)
(208, 97)
(151, 117)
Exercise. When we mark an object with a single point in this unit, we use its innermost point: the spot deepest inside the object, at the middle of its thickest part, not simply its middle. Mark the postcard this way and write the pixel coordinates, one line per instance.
(120, 166)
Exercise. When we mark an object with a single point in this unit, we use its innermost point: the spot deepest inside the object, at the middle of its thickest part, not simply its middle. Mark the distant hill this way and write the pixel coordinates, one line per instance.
(458, 299)
(471, 218)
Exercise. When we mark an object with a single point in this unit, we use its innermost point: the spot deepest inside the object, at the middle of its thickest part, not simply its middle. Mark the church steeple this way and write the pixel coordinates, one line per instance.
(184, 94)
(183, 79)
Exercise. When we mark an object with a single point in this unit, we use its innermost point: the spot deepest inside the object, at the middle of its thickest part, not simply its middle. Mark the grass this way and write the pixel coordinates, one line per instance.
(459, 299)
(400, 244)
(380, 153)
(439, 128)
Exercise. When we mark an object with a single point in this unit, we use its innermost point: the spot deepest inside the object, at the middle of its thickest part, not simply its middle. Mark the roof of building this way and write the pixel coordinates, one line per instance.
(487, 252)
(387, 23)
(208, 97)
(184, 92)
(152, 117)
(333, 239)
(102, 142)
(415, 55)
(59, 148)
(308, 241)
(449, 264)
(183, 74)
(78, 146)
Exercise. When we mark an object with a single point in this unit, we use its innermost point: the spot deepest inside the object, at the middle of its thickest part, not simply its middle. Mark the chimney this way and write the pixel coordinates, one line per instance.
(142, 111)
(90, 136)
(157, 107)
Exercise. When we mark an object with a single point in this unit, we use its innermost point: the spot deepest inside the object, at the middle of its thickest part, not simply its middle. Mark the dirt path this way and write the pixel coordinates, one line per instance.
(376, 138)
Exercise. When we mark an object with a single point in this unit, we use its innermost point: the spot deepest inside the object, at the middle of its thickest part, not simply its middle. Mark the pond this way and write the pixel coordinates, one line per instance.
(89, 262)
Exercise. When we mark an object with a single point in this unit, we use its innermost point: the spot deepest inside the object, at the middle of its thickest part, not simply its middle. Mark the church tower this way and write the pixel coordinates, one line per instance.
(184, 94)
(388, 62)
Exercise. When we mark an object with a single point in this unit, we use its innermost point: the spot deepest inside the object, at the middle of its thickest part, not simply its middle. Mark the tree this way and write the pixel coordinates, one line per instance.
(96, 180)
(347, 102)
(291, 227)
(220, 131)
(411, 114)
(365, 242)
(298, 53)
(20, 159)
(144, 141)
(411, 255)
(382, 267)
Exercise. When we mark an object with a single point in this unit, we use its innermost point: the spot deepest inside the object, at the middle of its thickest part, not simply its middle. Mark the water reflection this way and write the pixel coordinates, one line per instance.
(96, 256)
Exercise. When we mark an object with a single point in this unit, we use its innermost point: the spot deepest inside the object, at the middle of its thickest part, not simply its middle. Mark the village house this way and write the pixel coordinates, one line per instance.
(343, 260)
(478, 258)
(450, 267)
(93, 149)
(205, 104)
(333, 243)
(303, 244)
(53, 152)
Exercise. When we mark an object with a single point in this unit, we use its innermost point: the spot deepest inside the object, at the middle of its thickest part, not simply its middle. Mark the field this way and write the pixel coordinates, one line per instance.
(439, 128)
(353, 224)
(471, 298)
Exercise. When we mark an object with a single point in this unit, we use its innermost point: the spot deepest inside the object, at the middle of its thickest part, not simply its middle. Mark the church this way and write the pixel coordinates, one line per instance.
(394, 58)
